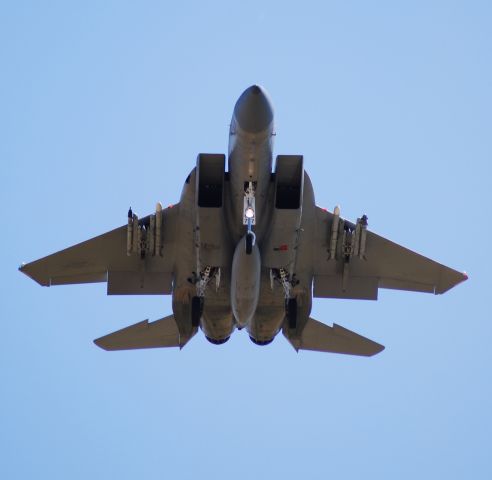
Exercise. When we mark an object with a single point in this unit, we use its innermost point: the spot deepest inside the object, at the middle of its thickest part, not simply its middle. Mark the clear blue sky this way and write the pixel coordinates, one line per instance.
(106, 104)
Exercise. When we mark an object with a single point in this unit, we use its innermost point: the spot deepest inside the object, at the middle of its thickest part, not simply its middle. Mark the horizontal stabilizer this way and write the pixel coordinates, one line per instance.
(161, 333)
(321, 338)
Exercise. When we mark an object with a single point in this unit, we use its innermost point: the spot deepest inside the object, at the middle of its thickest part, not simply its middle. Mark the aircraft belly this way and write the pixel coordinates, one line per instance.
(250, 160)
(286, 250)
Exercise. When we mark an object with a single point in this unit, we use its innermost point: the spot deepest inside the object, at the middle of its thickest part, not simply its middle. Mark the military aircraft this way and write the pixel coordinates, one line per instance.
(245, 247)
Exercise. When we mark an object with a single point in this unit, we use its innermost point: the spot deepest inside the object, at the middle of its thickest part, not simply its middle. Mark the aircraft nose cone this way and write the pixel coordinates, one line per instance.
(253, 110)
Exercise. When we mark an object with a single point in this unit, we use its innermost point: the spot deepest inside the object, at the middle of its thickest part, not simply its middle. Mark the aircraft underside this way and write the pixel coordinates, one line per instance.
(246, 248)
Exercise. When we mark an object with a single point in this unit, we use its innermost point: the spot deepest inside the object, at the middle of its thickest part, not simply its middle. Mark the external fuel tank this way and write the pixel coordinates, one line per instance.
(245, 281)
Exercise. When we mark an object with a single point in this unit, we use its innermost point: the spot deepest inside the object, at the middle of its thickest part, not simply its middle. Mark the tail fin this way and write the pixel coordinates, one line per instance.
(321, 338)
(161, 333)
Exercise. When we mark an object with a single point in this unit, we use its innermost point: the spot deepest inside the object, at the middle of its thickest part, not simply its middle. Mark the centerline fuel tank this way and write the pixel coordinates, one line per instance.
(245, 279)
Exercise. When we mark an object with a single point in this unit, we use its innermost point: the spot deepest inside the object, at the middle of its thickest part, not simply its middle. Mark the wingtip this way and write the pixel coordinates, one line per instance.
(378, 348)
(100, 343)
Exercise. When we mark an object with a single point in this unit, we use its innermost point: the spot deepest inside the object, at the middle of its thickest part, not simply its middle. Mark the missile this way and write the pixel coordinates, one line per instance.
(135, 234)
(356, 239)
(151, 235)
(334, 232)
(129, 232)
(139, 241)
(245, 282)
(158, 228)
(363, 235)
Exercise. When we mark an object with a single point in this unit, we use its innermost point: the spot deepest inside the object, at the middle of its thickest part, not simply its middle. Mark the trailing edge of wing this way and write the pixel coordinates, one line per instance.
(321, 338)
(161, 333)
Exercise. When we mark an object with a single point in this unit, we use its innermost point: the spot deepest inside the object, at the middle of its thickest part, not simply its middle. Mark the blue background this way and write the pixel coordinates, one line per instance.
(106, 104)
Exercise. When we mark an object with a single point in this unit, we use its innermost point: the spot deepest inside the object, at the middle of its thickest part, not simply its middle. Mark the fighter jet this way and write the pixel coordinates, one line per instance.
(247, 248)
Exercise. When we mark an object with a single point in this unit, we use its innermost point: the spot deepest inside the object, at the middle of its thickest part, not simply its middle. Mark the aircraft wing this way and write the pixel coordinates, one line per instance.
(382, 264)
(104, 259)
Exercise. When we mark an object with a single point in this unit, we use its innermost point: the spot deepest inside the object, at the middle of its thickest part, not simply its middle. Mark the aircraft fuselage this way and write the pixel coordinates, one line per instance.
(249, 295)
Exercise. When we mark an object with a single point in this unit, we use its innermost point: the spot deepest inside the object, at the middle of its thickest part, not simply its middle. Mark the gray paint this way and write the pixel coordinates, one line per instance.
(203, 238)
